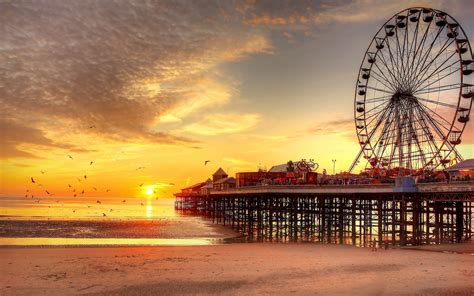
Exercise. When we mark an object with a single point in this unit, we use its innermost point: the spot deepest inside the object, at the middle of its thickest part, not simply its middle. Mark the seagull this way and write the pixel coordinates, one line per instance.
(139, 168)
(82, 191)
(107, 190)
(70, 156)
(78, 179)
(92, 126)
(103, 214)
(142, 204)
(141, 185)
(85, 177)
(26, 195)
(75, 195)
(47, 192)
(32, 180)
(74, 190)
(124, 200)
(99, 202)
(91, 162)
(111, 210)
(74, 210)
(42, 172)
(27, 190)
(205, 162)
(69, 185)
(94, 188)
(172, 184)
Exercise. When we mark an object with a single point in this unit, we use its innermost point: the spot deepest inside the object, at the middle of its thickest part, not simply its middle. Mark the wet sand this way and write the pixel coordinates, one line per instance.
(242, 269)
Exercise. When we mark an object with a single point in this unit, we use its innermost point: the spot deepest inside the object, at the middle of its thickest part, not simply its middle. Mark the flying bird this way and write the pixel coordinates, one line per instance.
(42, 172)
(85, 177)
(205, 162)
(124, 200)
(140, 168)
(91, 162)
(103, 214)
(74, 210)
(75, 195)
(142, 204)
(92, 126)
(69, 185)
(111, 210)
(172, 184)
(107, 190)
(99, 202)
(70, 156)
(94, 188)
(47, 192)
(82, 191)
(140, 185)
(78, 179)
(32, 180)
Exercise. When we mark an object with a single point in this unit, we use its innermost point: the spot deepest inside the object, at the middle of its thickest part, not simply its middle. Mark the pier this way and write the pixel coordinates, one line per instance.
(341, 214)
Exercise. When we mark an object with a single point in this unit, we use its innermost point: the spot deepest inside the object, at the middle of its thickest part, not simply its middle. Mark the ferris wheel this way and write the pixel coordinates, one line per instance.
(414, 92)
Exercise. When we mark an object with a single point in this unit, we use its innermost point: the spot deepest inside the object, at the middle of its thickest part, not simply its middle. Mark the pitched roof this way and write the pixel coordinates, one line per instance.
(200, 184)
(280, 168)
(467, 164)
(225, 180)
(220, 172)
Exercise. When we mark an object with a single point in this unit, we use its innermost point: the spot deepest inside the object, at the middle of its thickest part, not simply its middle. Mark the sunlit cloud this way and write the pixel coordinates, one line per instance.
(223, 123)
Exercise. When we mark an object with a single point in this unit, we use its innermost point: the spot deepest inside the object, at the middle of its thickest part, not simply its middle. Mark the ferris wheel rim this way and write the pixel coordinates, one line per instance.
(366, 143)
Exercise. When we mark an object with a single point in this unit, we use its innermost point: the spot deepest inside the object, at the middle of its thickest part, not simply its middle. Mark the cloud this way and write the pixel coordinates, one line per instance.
(343, 126)
(300, 15)
(223, 123)
(14, 135)
(118, 65)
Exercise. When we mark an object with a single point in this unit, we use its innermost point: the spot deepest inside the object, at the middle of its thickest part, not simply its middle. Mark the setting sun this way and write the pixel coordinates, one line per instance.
(149, 191)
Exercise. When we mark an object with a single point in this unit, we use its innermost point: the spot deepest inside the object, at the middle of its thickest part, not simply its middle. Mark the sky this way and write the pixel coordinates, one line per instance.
(131, 93)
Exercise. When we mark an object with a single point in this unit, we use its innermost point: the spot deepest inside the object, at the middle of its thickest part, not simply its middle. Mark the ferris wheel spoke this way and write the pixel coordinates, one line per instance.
(419, 53)
(437, 103)
(438, 126)
(442, 49)
(400, 57)
(439, 79)
(431, 143)
(393, 61)
(424, 56)
(385, 64)
(421, 80)
(377, 99)
(439, 88)
(379, 79)
(448, 68)
(413, 47)
(378, 89)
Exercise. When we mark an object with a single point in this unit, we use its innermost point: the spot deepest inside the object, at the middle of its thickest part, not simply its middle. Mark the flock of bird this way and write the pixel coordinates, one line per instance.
(75, 192)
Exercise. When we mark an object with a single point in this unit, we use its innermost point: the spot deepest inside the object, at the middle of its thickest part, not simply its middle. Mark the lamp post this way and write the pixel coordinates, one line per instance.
(333, 166)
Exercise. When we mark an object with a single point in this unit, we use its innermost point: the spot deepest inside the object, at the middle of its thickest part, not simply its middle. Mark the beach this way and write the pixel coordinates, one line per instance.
(235, 269)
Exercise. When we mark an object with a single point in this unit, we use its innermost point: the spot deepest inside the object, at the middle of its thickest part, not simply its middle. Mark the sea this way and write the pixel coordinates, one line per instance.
(107, 221)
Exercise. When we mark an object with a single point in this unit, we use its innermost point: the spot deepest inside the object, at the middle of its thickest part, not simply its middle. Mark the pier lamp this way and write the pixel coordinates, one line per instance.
(334, 166)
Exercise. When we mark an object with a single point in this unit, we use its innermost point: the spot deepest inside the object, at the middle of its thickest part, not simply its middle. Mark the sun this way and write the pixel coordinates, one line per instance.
(149, 191)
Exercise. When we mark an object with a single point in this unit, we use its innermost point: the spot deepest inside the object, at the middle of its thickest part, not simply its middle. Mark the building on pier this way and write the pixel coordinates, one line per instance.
(462, 170)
